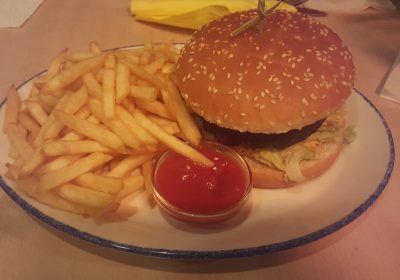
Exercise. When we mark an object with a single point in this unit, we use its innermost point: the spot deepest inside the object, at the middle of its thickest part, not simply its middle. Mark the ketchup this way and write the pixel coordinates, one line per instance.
(201, 190)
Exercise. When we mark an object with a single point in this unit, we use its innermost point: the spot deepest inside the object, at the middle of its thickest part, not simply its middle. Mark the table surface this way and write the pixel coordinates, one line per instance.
(368, 248)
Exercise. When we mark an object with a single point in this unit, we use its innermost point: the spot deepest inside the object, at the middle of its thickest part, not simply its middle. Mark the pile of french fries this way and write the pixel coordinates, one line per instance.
(89, 131)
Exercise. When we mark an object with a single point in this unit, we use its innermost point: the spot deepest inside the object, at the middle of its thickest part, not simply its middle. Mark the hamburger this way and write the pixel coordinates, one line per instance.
(276, 96)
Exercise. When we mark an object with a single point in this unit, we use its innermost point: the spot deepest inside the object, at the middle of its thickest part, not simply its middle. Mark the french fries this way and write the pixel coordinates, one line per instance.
(89, 131)
(63, 175)
(69, 75)
(12, 108)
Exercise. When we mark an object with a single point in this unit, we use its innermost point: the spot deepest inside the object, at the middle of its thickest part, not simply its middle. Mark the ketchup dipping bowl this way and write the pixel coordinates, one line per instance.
(194, 193)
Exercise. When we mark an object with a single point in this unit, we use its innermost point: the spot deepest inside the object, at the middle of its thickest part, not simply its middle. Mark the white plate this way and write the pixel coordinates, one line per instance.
(273, 220)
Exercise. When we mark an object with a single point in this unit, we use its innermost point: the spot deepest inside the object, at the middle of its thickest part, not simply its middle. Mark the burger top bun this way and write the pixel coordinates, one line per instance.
(295, 72)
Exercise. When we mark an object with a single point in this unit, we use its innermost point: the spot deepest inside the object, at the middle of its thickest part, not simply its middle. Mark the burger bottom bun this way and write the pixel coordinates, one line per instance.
(269, 178)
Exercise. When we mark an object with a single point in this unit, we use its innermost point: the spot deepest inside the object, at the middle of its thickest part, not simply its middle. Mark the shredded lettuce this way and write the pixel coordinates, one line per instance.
(270, 157)
(288, 160)
(349, 134)
(293, 170)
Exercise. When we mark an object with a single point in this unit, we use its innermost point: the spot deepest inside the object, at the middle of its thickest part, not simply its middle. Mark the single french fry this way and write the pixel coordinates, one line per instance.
(169, 52)
(109, 93)
(156, 65)
(171, 128)
(18, 140)
(36, 111)
(143, 92)
(14, 168)
(94, 47)
(72, 135)
(71, 147)
(46, 107)
(90, 130)
(39, 140)
(121, 81)
(75, 102)
(143, 83)
(12, 152)
(109, 61)
(171, 141)
(134, 126)
(55, 66)
(84, 196)
(30, 184)
(70, 74)
(12, 108)
(129, 163)
(145, 57)
(93, 86)
(118, 127)
(130, 185)
(57, 163)
(160, 121)
(27, 122)
(79, 56)
(168, 68)
(143, 74)
(100, 183)
(32, 163)
(48, 99)
(174, 103)
(63, 175)
(83, 112)
(155, 107)
(99, 76)
(147, 168)
(129, 105)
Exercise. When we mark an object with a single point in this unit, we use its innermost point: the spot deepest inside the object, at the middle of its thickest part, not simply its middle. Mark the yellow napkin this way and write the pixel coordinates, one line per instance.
(192, 14)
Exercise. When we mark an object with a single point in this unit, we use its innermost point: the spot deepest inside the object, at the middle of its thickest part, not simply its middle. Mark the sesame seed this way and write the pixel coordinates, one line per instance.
(304, 101)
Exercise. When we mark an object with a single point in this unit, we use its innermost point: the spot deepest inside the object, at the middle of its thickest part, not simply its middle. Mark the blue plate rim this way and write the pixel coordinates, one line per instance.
(212, 254)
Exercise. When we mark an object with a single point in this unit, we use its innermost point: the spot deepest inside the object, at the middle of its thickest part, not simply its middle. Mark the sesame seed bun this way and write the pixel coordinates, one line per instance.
(295, 72)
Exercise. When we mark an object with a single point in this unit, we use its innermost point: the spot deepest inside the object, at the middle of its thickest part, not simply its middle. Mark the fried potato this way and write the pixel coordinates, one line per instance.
(129, 163)
(122, 77)
(131, 184)
(90, 130)
(84, 196)
(75, 101)
(171, 142)
(87, 135)
(143, 92)
(36, 111)
(27, 122)
(19, 142)
(155, 107)
(106, 184)
(134, 126)
(63, 175)
(118, 127)
(55, 66)
(71, 147)
(174, 103)
(57, 163)
(70, 74)
(12, 108)
(147, 167)
(109, 93)
(93, 86)
(30, 184)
